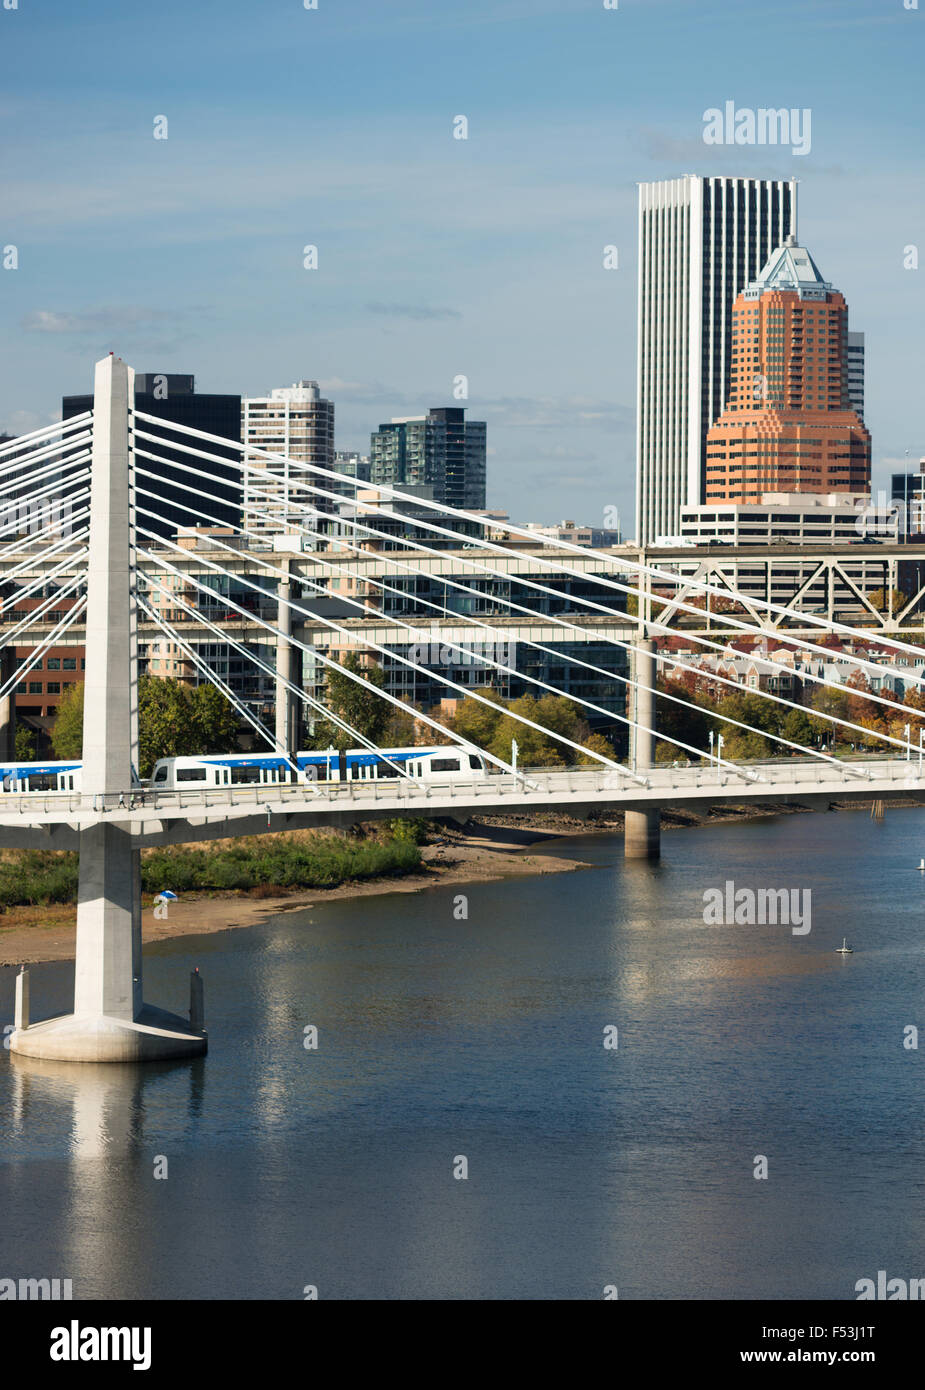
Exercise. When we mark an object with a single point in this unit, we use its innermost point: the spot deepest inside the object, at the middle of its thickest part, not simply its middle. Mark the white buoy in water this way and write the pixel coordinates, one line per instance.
(922, 865)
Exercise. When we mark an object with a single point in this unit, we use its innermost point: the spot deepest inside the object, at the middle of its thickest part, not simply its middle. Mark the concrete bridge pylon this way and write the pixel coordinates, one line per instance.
(110, 1022)
(642, 830)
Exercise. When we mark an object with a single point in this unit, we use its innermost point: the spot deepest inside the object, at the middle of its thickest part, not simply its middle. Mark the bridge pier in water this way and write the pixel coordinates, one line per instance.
(642, 832)
(110, 1022)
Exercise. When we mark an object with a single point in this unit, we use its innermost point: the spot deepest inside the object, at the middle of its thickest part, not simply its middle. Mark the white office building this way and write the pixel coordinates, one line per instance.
(785, 518)
(701, 240)
(297, 422)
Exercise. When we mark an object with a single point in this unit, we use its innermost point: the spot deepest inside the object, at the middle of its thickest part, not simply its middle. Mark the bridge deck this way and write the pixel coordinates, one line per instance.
(152, 818)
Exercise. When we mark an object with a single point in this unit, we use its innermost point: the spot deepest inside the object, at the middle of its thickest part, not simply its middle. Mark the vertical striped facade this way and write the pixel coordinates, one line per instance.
(701, 240)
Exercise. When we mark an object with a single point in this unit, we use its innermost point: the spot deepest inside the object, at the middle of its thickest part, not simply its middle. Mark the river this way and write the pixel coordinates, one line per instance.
(442, 1039)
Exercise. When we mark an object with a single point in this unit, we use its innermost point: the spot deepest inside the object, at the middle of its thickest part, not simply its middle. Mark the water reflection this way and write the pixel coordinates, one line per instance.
(484, 1038)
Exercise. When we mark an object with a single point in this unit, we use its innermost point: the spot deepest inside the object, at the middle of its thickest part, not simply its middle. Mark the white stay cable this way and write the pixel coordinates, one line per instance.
(549, 542)
(24, 447)
(59, 469)
(750, 630)
(199, 617)
(501, 667)
(10, 636)
(52, 640)
(39, 582)
(216, 680)
(405, 661)
(161, 563)
(418, 633)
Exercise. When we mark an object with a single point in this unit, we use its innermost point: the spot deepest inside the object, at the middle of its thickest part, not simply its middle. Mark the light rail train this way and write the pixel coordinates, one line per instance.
(354, 765)
(234, 769)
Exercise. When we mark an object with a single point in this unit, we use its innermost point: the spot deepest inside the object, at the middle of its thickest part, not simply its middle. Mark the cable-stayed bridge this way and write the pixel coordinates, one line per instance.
(103, 565)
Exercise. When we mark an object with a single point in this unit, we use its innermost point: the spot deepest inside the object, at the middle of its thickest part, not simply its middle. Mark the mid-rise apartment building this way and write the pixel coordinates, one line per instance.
(442, 450)
(297, 423)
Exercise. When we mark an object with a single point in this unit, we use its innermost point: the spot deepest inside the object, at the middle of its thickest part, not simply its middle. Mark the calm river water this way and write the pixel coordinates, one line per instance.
(441, 1039)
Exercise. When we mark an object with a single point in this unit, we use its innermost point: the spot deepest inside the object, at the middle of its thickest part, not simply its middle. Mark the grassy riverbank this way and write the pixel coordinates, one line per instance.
(284, 862)
(477, 854)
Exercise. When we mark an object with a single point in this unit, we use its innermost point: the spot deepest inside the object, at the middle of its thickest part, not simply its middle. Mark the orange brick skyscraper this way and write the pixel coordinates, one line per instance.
(788, 425)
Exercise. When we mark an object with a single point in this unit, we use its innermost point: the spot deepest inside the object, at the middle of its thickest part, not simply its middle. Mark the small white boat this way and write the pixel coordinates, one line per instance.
(844, 949)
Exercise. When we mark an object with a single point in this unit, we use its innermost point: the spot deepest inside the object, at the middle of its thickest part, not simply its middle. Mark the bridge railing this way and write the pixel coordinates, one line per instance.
(579, 784)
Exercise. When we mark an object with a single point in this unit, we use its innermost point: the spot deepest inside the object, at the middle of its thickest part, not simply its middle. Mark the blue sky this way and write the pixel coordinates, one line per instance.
(437, 257)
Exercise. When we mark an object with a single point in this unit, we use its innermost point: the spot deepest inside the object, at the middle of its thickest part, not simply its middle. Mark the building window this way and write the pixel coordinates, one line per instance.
(35, 687)
(53, 688)
(70, 663)
(54, 663)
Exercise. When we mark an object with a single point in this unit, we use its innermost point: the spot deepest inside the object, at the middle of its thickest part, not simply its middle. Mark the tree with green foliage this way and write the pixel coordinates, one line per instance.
(681, 722)
(165, 723)
(597, 743)
(798, 728)
(835, 703)
(739, 746)
(24, 744)
(215, 719)
(174, 721)
(493, 726)
(476, 721)
(361, 708)
(67, 733)
(534, 748)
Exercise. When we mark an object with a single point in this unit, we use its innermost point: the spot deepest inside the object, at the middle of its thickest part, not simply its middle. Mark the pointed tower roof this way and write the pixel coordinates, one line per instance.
(790, 267)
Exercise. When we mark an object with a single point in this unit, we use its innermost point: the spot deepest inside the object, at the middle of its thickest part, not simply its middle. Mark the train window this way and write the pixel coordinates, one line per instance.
(245, 774)
(191, 774)
(43, 781)
(474, 761)
(386, 770)
(161, 774)
(445, 765)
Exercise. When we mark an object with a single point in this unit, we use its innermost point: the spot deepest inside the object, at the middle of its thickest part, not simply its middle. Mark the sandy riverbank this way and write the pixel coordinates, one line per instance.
(30, 934)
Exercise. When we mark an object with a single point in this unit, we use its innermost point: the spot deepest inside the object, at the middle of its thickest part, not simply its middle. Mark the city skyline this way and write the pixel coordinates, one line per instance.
(483, 257)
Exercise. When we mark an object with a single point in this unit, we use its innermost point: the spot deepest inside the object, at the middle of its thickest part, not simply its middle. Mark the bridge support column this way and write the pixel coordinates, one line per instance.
(110, 1022)
(642, 834)
(7, 706)
(286, 708)
(642, 829)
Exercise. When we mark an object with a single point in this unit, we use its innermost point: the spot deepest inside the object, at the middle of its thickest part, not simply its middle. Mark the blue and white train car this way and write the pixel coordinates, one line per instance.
(221, 770)
(356, 764)
(362, 765)
(25, 778)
